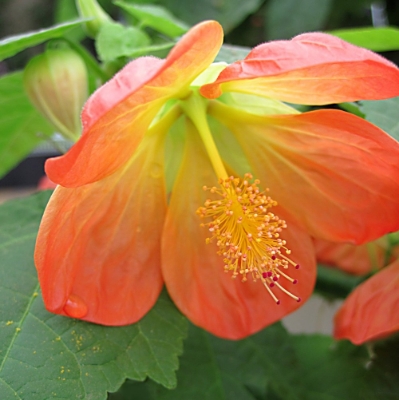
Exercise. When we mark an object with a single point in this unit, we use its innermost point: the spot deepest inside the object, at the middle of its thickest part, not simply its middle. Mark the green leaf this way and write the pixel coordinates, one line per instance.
(14, 44)
(132, 390)
(384, 370)
(376, 39)
(158, 50)
(330, 370)
(44, 356)
(275, 365)
(155, 17)
(230, 54)
(212, 368)
(228, 13)
(212, 364)
(274, 348)
(353, 108)
(115, 40)
(341, 371)
(287, 18)
(384, 114)
(65, 10)
(22, 127)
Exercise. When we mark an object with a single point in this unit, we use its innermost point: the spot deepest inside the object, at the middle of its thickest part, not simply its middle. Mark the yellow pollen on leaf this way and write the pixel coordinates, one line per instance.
(247, 233)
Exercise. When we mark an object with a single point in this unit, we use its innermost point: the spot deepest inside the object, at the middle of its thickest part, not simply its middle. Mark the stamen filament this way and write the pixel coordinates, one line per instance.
(247, 234)
(287, 292)
(294, 281)
(270, 292)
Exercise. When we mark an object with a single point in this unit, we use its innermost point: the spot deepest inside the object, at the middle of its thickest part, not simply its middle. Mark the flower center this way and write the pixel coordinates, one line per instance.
(247, 233)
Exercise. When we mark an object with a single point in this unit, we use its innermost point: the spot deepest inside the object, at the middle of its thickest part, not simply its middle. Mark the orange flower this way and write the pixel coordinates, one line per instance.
(110, 239)
(371, 311)
(356, 260)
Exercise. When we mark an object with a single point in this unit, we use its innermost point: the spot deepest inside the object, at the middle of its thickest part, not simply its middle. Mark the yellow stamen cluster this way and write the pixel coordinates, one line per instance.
(247, 234)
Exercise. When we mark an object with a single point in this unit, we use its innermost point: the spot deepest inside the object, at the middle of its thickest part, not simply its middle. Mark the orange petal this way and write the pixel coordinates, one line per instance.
(312, 68)
(193, 272)
(333, 172)
(45, 183)
(118, 114)
(98, 248)
(371, 311)
(356, 260)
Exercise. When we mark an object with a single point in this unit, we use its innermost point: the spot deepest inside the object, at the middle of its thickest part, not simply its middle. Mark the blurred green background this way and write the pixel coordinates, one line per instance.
(246, 23)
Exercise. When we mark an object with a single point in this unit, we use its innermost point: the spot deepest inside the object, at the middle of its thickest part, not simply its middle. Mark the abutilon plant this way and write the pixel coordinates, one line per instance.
(357, 259)
(370, 312)
(189, 172)
(96, 16)
(56, 83)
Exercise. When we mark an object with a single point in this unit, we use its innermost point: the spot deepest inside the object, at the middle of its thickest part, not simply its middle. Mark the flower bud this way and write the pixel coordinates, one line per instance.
(91, 9)
(56, 83)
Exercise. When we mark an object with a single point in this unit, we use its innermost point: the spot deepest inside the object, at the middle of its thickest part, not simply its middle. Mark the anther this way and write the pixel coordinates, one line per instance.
(247, 234)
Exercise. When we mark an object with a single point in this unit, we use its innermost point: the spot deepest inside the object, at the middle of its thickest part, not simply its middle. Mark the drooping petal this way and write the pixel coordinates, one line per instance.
(356, 260)
(312, 68)
(118, 114)
(335, 173)
(98, 248)
(371, 311)
(194, 274)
